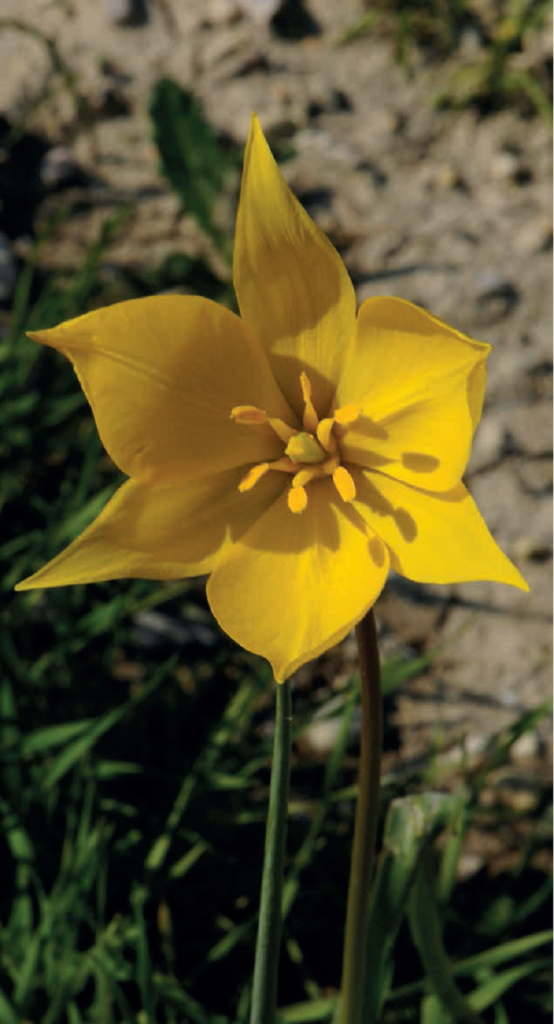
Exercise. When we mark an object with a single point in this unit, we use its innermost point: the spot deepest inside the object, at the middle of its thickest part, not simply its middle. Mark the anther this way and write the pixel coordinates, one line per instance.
(347, 415)
(248, 414)
(325, 435)
(297, 499)
(250, 479)
(344, 483)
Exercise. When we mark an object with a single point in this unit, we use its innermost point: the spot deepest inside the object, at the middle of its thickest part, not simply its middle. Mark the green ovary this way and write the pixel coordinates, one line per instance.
(303, 447)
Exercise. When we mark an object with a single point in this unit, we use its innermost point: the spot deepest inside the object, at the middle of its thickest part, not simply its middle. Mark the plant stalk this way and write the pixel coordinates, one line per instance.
(351, 1008)
(266, 963)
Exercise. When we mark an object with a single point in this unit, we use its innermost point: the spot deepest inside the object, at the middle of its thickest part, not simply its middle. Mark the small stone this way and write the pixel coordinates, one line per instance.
(504, 165)
(490, 444)
(110, 101)
(519, 797)
(446, 176)
(222, 12)
(59, 169)
(260, 10)
(126, 12)
(468, 865)
(535, 236)
(120, 12)
(526, 747)
(318, 739)
(533, 547)
(8, 272)
(496, 297)
(152, 629)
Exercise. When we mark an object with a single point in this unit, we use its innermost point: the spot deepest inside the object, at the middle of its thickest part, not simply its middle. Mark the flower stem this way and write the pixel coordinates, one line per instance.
(264, 987)
(365, 826)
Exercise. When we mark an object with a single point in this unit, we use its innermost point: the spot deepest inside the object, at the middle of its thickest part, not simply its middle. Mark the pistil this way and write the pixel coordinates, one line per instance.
(310, 454)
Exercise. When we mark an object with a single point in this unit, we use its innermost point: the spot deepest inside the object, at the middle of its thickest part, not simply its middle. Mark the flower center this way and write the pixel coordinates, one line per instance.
(309, 454)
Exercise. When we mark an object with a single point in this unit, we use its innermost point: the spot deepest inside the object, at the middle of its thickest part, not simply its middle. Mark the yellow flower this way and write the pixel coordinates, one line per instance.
(295, 453)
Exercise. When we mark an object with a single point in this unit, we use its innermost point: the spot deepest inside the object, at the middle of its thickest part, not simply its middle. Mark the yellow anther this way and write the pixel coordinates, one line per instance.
(325, 435)
(254, 474)
(304, 448)
(248, 414)
(348, 414)
(344, 484)
(281, 428)
(310, 418)
(297, 499)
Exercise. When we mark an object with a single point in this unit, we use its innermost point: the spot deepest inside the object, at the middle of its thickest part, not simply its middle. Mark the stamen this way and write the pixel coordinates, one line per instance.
(297, 499)
(251, 416)
(248, 414)
(310, 418)
(305, 476)
(330, 465)
(285, 465)
(254, 474)
(344, 483)
(325, 435)
(347, 415)
(281, 429)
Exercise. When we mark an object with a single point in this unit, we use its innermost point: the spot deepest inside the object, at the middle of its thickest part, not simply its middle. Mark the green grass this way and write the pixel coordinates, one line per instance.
(495, 75)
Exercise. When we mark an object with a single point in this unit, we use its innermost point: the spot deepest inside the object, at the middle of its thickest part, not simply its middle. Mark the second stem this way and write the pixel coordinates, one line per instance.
(365, 826)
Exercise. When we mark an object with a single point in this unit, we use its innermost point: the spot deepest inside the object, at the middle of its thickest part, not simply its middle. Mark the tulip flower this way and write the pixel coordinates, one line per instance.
(295, 452)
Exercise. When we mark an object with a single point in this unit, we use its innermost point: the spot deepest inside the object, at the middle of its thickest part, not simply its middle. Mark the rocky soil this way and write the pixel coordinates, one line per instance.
(451, 210)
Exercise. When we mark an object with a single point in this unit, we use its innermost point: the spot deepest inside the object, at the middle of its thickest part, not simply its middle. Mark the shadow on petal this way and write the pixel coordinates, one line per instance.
(287, 370)
(377, 551)
(420, 463)
(368, 493)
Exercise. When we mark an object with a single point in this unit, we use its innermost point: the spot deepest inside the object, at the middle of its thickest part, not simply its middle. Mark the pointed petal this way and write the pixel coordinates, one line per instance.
(422, 386)
(292, 287)
(433, 538)
(162, 375)
(160, 531)
(294, 585)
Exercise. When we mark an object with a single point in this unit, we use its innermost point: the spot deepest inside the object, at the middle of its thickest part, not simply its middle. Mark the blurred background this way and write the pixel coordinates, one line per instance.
(134, 738)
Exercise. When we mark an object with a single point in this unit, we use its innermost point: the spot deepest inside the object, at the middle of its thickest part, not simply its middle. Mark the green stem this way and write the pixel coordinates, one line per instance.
(264, 987)
(365, 826)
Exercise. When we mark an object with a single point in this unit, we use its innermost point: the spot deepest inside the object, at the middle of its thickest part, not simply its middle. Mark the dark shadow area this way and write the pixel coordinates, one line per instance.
(294, 21)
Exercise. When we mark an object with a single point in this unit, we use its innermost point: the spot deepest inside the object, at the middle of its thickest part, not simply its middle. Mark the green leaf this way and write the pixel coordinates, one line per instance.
(7, 1012)
(489, 993)
(410, 825)
(307, 1013)
(426, 929)
(191, 158)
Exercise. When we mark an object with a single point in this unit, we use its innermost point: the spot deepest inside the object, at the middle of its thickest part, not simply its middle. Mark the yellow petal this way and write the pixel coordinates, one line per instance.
(294, 585)
(422, 385)
(433, 538)
(160, 531)
(292, 287)
(162, 375)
